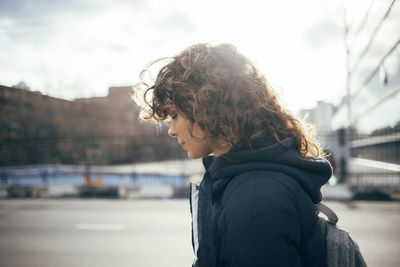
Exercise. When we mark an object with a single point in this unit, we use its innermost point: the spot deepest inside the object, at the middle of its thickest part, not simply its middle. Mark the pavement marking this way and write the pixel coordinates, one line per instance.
(99, 226)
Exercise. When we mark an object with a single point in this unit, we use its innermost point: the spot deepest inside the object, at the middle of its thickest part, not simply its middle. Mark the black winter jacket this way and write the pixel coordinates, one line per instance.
(255, 208)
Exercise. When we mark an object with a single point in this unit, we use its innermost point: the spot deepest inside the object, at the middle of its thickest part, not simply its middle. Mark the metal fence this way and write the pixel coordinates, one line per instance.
(362, 162)
(365, 162)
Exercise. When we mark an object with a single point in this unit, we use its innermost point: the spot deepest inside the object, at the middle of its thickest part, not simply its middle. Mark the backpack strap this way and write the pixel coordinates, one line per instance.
(330, 214)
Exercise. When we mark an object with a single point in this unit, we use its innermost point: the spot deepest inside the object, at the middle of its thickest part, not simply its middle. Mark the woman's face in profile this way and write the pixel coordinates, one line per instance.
(196, 144)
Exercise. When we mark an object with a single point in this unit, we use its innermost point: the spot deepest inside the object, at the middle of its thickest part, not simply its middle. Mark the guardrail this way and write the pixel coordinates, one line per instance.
(93, 184)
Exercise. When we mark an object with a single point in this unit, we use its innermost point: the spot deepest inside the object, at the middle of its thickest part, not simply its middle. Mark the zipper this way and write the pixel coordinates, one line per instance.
(194, 202)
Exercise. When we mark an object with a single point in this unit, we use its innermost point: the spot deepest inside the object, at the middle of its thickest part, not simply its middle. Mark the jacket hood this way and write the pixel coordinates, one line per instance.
(269, 155)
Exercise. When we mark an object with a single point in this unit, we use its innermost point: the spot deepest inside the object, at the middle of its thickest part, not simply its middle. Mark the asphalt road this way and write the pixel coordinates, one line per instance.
(104, 233)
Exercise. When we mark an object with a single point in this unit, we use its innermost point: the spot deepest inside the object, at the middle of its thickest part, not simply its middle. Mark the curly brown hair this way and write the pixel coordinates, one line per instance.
(224, 93)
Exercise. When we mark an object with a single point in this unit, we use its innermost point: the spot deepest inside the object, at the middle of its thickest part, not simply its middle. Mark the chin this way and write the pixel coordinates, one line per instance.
(196, 155)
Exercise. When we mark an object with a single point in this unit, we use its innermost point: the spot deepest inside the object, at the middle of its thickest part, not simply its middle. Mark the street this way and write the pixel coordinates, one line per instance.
(104, 232)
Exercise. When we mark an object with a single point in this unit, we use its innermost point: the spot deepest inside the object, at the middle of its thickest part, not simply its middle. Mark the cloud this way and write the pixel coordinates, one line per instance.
(25, 15)
(322, 32)
(25, 11)
(80, 47)
(33, 21)
(175, 21)
(22, 9)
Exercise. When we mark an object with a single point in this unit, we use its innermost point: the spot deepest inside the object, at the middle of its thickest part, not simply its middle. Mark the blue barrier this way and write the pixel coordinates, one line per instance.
(110, 179)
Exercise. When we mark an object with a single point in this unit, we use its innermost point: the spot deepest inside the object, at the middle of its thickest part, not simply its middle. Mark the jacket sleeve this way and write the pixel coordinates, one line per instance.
(262, 226)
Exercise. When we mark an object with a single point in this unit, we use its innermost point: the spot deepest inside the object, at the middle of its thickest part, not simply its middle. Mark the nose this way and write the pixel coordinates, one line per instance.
(171, 130)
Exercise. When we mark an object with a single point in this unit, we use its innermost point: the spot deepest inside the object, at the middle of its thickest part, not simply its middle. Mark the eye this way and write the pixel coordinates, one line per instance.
(174, 116)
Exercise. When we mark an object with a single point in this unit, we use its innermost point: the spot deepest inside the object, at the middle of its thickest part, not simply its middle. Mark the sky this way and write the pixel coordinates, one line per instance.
(79, 48)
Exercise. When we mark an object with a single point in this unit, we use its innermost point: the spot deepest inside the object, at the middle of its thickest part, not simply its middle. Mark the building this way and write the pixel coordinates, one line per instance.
(39, 129)
(321, 117)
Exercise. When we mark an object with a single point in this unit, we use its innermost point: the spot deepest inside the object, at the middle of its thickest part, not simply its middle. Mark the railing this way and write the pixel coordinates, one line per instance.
(95, 179)
(117, 180)
(363, 162)
(366, 162)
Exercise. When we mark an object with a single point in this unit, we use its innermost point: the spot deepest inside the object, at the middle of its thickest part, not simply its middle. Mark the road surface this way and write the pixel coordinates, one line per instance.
(104, 233)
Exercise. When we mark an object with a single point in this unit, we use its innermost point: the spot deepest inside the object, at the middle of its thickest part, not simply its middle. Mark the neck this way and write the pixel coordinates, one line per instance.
(220, 149)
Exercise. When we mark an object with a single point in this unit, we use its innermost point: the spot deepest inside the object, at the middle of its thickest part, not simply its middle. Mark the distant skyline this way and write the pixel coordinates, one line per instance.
(74, 49)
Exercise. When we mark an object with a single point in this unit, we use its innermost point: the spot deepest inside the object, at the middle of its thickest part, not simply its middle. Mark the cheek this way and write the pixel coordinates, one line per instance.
(197, 132)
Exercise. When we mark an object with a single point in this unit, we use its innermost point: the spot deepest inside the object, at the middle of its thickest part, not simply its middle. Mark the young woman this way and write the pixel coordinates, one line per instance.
(254, 205)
